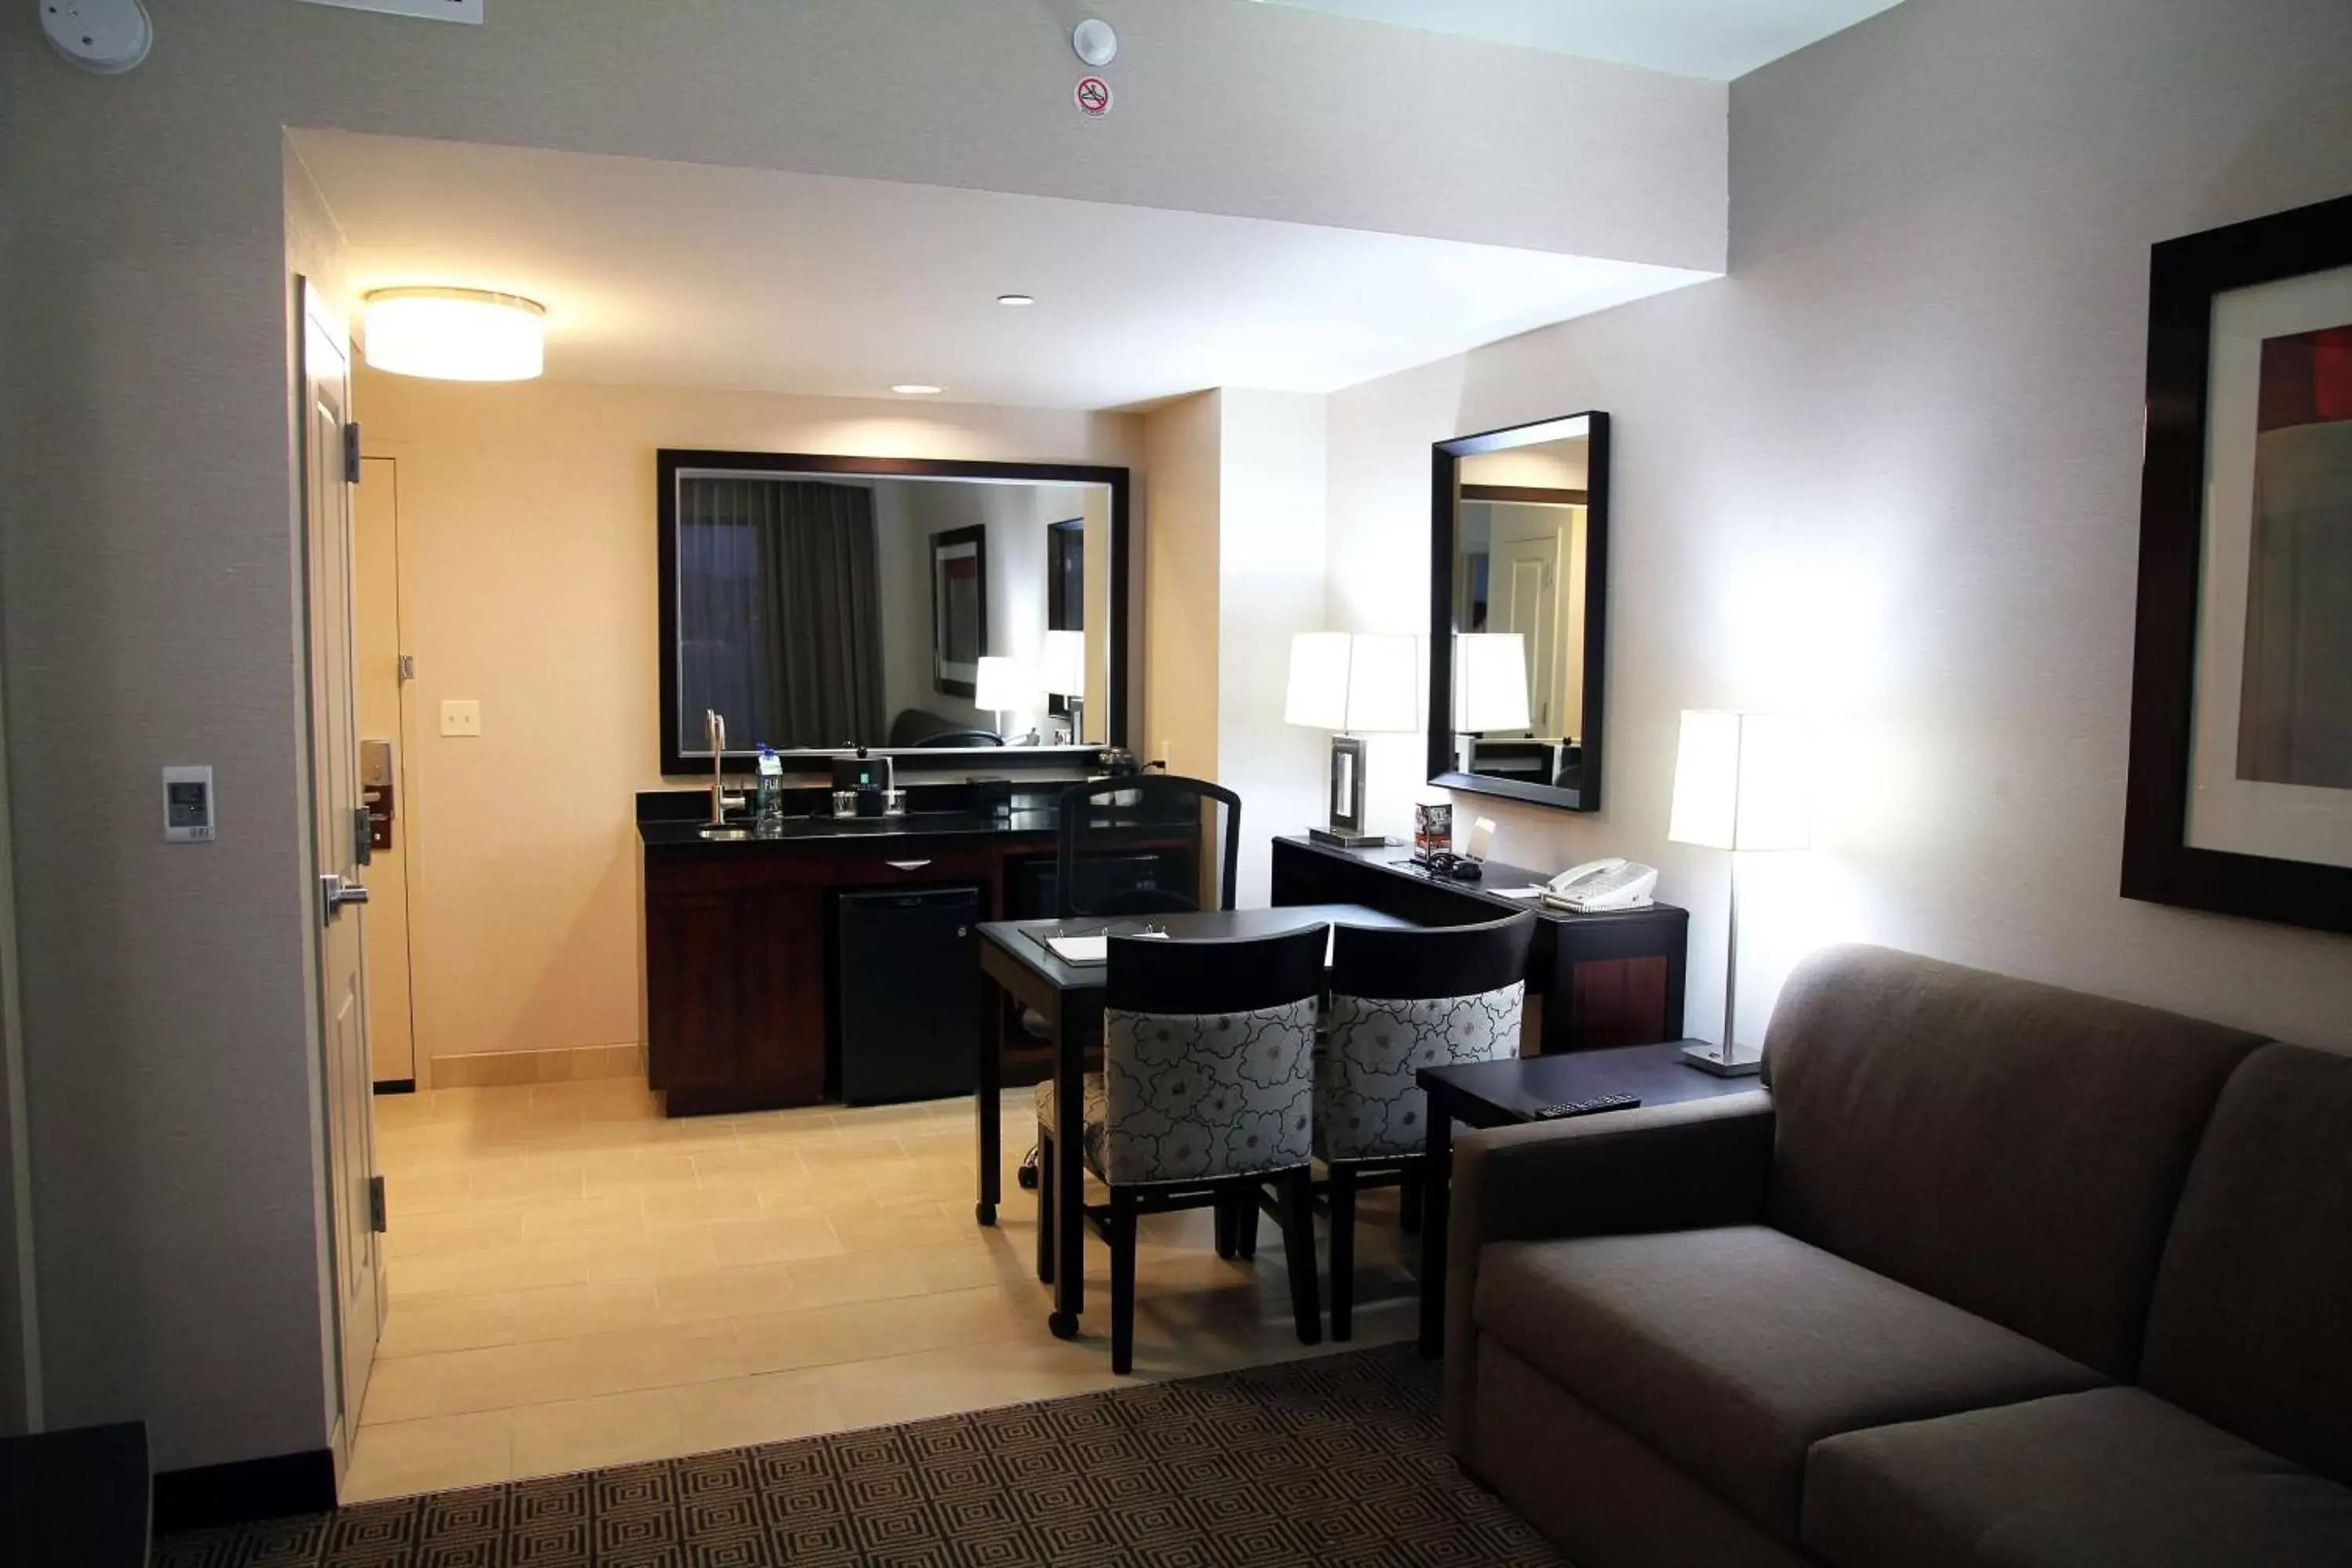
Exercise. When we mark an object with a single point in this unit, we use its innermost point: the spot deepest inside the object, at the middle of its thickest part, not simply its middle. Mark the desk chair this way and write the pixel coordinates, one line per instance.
(1401, 1001)
(1150, 843)
(1206, 1099)
(1153, 844)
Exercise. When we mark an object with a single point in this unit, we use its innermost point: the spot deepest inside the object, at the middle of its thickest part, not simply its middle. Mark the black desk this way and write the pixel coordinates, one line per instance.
(1596, 980)
(1507, 1094)
(1070, 999)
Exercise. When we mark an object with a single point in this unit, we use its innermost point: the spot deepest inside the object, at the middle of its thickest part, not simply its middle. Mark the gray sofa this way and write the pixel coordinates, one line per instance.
(1989, 1273)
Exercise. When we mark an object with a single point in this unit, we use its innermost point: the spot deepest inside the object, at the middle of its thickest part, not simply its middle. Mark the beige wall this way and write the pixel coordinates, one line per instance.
(1180, 573)
(1886, 475)
(528, 527)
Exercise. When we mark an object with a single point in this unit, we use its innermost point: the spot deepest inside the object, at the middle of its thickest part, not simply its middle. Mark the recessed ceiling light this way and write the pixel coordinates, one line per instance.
(456, 334)
(1016, 298)
(916, 389)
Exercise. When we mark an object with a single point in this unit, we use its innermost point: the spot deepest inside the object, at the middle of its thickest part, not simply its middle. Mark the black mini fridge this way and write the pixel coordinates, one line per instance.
(908, 979)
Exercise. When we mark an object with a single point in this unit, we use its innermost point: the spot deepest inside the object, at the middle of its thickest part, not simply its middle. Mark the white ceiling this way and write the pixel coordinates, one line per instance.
(1716, 38)
(673, 274)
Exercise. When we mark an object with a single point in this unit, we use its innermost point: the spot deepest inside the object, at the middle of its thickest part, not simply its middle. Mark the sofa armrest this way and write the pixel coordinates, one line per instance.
(1666, 1167)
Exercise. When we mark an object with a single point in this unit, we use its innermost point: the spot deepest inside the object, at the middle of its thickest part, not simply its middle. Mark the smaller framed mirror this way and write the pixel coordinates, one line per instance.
(1519, 555)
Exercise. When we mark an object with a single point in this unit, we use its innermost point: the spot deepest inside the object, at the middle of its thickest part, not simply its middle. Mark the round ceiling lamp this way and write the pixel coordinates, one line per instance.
(456, 335)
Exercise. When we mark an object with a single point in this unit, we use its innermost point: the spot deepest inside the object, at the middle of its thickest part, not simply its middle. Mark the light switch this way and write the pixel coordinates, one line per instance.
(461, 716)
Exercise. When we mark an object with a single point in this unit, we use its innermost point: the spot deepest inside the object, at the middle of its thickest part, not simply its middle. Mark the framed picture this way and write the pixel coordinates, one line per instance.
(959, 609)
(2240, 791)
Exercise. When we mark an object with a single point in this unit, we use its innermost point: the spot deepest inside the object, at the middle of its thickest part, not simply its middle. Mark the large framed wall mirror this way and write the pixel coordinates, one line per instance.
(820, 604)
(1519, 552)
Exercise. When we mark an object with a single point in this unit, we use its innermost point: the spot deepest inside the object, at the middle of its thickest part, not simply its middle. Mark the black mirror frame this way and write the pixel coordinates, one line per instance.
(1445, 466)
(669, 461)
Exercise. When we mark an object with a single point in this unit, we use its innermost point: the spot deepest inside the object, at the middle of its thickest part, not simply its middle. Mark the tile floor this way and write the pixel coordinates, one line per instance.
(577, 1281)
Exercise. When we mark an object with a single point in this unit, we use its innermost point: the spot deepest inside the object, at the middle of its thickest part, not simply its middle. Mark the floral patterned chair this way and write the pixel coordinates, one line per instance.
(1206, 1098)
(1401, 1001)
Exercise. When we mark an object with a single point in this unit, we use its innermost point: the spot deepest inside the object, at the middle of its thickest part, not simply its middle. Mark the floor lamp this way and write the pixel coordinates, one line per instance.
(1739, 785)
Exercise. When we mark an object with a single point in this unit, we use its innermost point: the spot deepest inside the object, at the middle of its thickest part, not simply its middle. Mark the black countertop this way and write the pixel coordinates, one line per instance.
(739, 835)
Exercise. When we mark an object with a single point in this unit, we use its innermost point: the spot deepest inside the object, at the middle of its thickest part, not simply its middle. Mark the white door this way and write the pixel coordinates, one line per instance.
(1523, 596)
(338, 840)
(392, 1040)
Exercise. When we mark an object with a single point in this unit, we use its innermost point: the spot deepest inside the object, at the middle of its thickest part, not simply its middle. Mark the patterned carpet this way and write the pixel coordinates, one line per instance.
(1339, 1459)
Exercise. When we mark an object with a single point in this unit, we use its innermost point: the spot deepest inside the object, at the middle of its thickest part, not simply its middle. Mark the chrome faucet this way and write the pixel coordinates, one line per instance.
(714, 735)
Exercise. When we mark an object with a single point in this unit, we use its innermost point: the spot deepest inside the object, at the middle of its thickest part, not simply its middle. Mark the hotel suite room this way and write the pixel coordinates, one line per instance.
(880, 868)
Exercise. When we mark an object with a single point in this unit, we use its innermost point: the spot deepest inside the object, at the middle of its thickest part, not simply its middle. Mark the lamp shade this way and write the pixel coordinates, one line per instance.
(1002, 685)
(1062, 667)
(456, 334)
(1740, 782)
(1490, 682)
(1363, 683)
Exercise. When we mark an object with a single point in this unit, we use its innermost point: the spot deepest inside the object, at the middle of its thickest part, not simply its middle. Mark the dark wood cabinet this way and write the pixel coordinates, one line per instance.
(736, 937)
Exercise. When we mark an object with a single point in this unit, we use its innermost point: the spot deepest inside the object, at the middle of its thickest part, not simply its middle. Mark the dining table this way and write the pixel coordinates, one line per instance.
(1069, 998)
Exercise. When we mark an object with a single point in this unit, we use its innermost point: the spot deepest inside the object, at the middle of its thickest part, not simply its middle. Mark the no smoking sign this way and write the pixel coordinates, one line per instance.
(1093, 97)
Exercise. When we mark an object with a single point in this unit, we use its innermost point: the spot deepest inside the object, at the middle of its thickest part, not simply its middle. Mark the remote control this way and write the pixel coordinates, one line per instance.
(1599, 1102)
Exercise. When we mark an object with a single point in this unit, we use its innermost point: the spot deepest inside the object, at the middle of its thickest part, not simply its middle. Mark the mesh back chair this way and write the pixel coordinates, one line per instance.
(1401, 1001)
(1153, 844)
(1206, 1098)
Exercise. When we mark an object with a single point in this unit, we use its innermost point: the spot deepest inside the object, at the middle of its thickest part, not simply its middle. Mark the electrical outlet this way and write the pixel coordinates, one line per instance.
(461, 716)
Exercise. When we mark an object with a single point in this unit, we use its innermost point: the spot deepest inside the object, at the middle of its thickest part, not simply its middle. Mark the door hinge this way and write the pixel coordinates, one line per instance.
(352, 453)
(362, 836)
(377, 1219)
(408, 667)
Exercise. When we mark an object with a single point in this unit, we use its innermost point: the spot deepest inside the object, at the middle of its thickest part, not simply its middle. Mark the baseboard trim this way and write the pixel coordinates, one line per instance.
(395, 1086)
(245, 1490)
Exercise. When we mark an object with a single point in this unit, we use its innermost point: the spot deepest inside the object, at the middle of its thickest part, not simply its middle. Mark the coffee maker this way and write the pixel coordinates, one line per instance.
(867, 785)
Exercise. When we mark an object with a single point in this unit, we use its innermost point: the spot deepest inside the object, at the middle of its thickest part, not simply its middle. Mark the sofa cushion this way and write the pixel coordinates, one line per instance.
(2013, 1149)
(2113, 1476)
(1731, 1351)
(2253, 1305)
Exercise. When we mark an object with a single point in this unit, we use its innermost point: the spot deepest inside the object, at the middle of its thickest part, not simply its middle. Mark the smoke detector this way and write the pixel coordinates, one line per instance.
(1095, 42)
(104, 37)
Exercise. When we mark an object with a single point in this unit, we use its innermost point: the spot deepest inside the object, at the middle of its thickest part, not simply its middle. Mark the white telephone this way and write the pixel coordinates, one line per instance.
(1601, 885)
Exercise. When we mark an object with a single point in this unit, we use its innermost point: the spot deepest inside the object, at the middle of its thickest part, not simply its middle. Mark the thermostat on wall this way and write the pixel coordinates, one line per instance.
(187, 805)
(438, 10)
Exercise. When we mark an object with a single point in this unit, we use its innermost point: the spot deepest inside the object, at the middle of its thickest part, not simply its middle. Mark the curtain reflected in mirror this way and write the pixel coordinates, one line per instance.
(779, 610)
(1522, 662)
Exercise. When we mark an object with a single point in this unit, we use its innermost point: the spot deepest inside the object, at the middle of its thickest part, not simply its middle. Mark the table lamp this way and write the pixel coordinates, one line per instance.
(1062, 672)
(1739, 785)
(1490, 687)
(1001, 685)
(1352, 684)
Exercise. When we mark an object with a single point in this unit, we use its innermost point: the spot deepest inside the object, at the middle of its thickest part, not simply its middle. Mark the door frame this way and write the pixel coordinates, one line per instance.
(408, 834)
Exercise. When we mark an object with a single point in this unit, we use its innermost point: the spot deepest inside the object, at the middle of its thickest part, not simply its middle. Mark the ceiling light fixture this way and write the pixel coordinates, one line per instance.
(916, 389)
(1016, 298)
(456, 335)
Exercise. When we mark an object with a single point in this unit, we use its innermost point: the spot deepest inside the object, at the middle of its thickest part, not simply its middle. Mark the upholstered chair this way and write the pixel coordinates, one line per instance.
(1205, 1099)
(1401, 1001)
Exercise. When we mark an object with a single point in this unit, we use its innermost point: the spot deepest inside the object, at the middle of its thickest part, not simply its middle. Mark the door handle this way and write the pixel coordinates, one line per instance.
(906, 865)
(334, 893)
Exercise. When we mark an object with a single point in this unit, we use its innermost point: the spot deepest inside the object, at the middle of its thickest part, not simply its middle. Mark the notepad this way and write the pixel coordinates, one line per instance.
(1081, 951)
